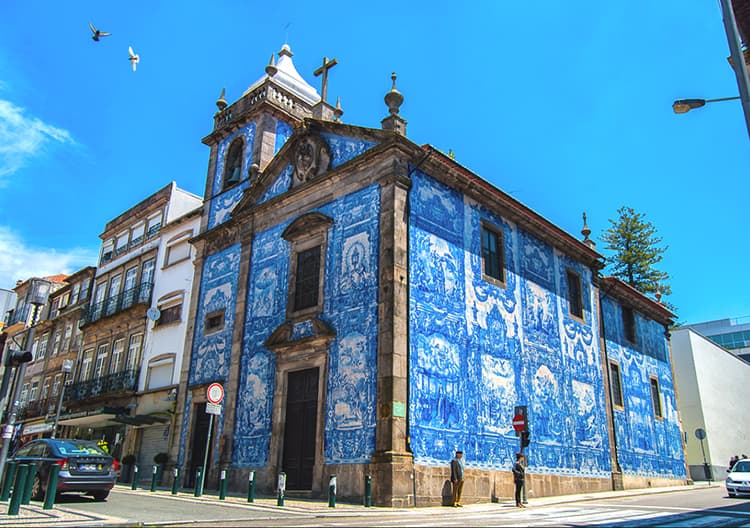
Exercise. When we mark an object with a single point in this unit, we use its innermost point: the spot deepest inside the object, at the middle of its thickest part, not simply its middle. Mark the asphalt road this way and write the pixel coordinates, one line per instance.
(691, 507)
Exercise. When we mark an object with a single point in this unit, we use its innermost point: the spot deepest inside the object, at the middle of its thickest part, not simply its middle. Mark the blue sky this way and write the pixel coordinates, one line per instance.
(564, 105)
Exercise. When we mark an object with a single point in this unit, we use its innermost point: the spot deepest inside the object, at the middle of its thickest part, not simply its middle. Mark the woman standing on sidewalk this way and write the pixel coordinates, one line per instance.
(519, 475)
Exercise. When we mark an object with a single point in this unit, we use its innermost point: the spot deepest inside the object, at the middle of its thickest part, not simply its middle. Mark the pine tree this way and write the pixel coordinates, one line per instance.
(636, 251)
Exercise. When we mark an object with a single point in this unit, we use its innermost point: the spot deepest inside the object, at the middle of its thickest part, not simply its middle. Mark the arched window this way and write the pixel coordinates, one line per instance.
(233, 165)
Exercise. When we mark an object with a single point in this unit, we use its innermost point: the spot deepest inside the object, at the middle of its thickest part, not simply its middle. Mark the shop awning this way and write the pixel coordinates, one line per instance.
(140, 420)
(99, 417)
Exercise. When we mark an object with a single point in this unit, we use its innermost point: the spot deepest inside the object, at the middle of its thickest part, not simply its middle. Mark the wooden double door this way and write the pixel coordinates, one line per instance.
(300, 428)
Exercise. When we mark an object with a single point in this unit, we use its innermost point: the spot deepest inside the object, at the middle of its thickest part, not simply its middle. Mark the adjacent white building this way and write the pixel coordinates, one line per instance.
(711, 386)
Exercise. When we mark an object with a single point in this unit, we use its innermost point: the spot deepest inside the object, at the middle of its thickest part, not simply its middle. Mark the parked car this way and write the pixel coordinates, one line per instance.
(738, 479)
(84, 466)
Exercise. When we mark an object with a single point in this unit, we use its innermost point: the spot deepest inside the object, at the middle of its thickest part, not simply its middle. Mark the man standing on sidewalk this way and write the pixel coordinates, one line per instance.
(519, 475)
(457, 478)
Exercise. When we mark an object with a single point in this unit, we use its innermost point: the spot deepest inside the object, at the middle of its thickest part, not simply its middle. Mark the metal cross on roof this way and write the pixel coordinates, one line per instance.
(327, 65)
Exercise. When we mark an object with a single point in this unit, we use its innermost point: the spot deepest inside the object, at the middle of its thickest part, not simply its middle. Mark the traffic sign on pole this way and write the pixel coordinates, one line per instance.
(215, 393)
(519, 423)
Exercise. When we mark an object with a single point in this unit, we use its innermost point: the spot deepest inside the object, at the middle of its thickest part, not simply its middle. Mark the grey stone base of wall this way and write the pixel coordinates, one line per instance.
(396, 483)
(698, 473)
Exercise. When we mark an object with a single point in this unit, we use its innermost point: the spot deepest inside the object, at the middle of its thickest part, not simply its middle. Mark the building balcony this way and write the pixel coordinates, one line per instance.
(37, 408)
(124, 381)
(141, 294)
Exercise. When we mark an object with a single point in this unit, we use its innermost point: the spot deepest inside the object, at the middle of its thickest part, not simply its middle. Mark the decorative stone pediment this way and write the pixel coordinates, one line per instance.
(295, 333)
(312, 157)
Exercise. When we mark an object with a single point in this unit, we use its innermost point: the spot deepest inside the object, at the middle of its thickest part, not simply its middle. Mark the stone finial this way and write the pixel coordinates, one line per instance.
(221, 102)
(658, 294)
(586, 232)
(394, 99)
(338, 111)
(271, 69)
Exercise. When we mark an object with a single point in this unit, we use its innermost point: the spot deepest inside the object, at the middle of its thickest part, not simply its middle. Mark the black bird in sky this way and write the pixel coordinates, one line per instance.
(98, 33)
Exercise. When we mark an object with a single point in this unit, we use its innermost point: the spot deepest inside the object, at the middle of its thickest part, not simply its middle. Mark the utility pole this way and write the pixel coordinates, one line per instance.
(738, 58)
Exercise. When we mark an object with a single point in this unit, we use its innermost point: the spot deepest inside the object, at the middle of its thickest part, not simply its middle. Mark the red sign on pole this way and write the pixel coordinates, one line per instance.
(519, 423)
(215, 393)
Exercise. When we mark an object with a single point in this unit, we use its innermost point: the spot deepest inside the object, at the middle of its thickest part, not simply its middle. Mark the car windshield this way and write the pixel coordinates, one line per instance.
(743, 466)
(72, 447)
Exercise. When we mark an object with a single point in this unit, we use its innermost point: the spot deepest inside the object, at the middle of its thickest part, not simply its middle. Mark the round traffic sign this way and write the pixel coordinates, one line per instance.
(700, 434)
(215, 393)
(519, 423)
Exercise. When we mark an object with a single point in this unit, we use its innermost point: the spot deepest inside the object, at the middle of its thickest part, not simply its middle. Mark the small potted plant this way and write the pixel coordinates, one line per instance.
(128, 462)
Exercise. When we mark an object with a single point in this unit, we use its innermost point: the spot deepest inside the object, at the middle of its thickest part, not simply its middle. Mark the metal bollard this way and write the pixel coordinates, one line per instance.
(134, 484)
(198, 482)
(26, 497)
(332, 491)
(282, 489)
(153, 477)
(176, 479)
(10, 474)
(368, 491)
(251, 486)
(49, 498)
(223, 484)
(18, 487)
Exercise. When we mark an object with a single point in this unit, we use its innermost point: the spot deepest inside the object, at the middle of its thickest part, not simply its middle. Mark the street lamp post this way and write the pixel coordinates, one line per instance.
(738, 58)
(67, 366)
(683, 106)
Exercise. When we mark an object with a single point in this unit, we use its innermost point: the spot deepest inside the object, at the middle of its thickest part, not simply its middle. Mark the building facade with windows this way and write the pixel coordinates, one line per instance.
(103, 397)
(371, 305)
(731, 334)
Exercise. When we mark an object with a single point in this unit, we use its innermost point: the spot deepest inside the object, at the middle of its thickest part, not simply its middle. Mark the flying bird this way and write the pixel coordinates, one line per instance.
(134, 58)
(98, 33)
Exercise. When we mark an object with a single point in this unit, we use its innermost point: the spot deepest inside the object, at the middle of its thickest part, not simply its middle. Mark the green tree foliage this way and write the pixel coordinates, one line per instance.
(636, 250)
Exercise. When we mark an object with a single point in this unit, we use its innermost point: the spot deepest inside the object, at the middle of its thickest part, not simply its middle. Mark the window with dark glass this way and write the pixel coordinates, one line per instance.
(655, 397)
(575, 294)
(214, 322)
(628, 324)
(170, 314)
(233, 166)
(493, 264)
(616, 384)
(307, 281)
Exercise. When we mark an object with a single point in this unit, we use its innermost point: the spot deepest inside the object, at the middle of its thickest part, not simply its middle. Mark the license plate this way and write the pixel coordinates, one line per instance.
(89, 467)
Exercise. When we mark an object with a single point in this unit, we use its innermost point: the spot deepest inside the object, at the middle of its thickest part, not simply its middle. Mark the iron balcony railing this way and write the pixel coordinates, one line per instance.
(123, 381)
(141, 294)
(37, 408)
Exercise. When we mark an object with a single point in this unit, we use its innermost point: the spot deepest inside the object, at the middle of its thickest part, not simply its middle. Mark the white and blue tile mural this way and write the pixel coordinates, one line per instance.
(349, 307)
(646, 446)
(222, 203)
(210, 357)
(478, 349)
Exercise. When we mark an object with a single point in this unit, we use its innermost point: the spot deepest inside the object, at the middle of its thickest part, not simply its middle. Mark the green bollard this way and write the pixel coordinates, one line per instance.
(26, 497)
(251, 486)
(176, 480)
(10, 474)
(49, 498)
(332, 491)
(368, 491)
(134, 484)
(223, 485)
(153, 477)
(18, 488)
(282, 489)
(198, 482)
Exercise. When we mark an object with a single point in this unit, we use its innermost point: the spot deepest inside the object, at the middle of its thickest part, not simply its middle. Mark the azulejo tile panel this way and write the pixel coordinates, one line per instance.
(218, 294)
(479, 348)
(222, 203)
(350, 308)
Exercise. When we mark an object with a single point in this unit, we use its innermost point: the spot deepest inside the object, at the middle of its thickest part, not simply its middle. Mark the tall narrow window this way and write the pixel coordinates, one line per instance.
(101, 361)
(493, 263)
(575, 295)
(233, 165)
(147, 281)
(307, 281)
(616, 384)
(134, 351)
(115, 361)
(655, 398)
(85, 373)
(628, 324)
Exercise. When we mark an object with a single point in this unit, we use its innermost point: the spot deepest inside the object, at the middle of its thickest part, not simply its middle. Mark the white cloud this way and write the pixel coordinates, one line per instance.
(23, 137)
(20, 262)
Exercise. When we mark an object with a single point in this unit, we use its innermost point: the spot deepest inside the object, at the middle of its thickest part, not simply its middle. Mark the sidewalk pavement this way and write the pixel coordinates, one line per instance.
(64, 515)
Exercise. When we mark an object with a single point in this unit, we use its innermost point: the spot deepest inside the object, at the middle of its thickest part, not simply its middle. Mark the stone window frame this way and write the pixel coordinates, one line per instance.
(237, 143)
(497, 232)
(304, 233)
(574, 284)
(615, 382)
(213, 328)
(656, 397)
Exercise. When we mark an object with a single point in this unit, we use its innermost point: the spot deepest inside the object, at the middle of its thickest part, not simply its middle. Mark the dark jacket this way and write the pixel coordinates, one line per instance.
(457, 470)
(519, 473)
